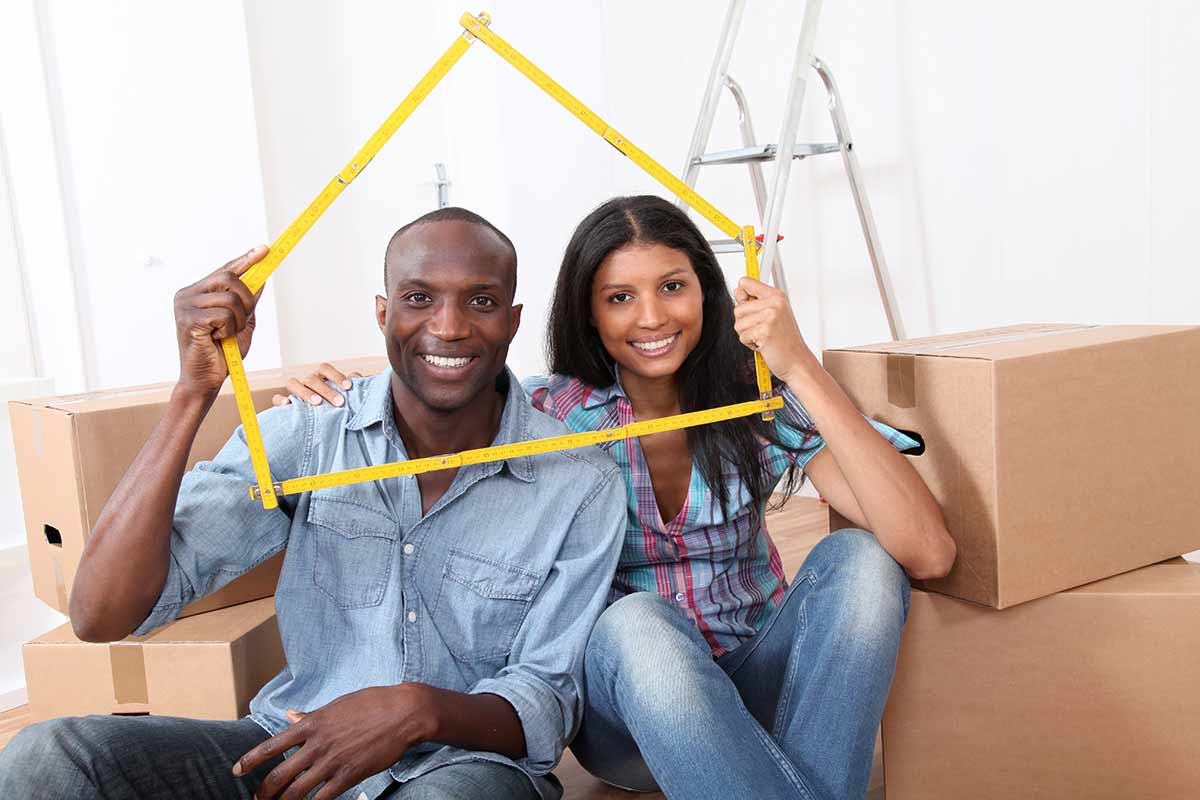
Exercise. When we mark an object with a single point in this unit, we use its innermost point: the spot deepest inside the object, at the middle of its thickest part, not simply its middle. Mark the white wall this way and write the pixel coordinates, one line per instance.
(1026, 162)
(158, 148)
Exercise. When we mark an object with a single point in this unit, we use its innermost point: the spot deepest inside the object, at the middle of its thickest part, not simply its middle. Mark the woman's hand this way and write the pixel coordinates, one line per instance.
(313, 388)
(764, 322)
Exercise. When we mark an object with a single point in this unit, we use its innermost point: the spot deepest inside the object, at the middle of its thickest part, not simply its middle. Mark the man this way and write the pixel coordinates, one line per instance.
(434, 625)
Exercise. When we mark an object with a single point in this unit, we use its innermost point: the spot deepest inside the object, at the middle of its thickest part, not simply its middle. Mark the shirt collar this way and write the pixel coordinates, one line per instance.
(597, 397)
(514, 421)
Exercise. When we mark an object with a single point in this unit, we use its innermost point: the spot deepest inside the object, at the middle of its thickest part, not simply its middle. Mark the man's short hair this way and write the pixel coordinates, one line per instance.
(452, 214)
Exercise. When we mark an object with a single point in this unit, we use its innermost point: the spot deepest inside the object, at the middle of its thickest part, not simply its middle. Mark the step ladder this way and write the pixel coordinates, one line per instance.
(752, 154)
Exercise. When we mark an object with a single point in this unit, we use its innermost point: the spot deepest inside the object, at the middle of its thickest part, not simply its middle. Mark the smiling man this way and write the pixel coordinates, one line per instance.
(434, 625)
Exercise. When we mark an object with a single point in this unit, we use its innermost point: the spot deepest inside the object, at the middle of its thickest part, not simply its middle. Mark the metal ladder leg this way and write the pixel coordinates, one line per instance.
(712, 93)
(757, 182)
(865, 218)
(787, 135)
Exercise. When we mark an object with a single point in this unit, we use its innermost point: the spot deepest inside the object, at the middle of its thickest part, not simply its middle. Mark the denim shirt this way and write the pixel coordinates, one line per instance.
(495, 590)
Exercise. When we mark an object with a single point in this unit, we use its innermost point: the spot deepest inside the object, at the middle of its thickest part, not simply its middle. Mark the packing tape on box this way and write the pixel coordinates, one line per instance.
(128, 673)
(901, 383)
(60, 584)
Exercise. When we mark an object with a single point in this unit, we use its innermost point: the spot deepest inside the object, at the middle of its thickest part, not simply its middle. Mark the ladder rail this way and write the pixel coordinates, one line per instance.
(866, 219)
(757, 181)
(712, 93)
(787, 134)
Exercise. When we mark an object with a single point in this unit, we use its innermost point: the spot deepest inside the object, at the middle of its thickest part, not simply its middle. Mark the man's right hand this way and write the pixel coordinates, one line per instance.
(212, 309)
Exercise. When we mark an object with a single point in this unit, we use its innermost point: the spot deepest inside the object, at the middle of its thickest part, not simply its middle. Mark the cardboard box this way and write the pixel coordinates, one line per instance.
(1059, 454)
(72, 451)
(1090, 693)
(208, 666)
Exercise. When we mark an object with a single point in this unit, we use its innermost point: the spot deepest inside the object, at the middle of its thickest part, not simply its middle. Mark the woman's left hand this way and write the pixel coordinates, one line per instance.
(764, 322)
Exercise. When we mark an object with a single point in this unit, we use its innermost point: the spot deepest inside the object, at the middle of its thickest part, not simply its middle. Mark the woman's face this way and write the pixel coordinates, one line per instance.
(648, 307)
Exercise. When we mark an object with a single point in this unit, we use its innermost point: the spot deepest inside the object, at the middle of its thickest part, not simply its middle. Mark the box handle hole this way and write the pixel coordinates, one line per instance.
(52, 535)
(919, 439)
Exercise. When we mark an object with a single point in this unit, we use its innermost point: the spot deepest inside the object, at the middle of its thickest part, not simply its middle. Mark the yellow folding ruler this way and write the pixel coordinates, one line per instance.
(474, 27)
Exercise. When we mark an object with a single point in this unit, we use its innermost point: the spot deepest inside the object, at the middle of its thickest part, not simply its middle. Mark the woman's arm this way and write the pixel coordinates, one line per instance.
(859, 472)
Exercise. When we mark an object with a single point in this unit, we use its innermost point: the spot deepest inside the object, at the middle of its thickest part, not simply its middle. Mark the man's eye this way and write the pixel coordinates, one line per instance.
(483, 302)
(673, 286)
(620, 297)
(418, 297)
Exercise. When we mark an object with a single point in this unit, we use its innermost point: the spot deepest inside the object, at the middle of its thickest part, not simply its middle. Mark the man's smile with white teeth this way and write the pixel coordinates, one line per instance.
(657, 344)
(443, 361)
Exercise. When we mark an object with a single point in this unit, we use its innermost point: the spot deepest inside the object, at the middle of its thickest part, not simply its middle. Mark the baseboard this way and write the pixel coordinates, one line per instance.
(13, 698)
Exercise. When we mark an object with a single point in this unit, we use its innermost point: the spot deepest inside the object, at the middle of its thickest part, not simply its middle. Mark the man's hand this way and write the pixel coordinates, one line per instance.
(208, 311)
(341, 744)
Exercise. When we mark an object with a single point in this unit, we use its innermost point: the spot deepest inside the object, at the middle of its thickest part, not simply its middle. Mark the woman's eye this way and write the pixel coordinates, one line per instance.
(672, 286)
(620, 297)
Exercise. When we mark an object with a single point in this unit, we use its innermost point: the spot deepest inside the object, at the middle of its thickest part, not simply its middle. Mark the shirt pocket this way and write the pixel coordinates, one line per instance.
(352, 550)
(481, 604)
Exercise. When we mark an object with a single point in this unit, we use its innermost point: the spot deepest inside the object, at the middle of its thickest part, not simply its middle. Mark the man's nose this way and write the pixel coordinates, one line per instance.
(449, 323)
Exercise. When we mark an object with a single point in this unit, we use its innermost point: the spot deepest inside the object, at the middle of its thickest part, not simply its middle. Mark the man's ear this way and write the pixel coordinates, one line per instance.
(381, 304)
(514, 321)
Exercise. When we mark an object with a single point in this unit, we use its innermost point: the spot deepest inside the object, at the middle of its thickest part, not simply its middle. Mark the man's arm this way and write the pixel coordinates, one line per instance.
(126, 559)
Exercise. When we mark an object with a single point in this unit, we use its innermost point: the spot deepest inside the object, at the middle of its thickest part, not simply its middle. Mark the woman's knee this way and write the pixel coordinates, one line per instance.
(853, 562)
(638, 625)
(632, 641)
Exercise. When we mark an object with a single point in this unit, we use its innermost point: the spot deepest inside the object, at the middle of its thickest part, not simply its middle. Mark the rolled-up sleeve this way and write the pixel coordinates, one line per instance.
(543, 679)
(796, 430)
(218, 532)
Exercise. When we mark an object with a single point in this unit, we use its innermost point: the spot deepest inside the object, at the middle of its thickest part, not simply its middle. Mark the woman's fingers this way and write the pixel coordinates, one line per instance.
(331, 373)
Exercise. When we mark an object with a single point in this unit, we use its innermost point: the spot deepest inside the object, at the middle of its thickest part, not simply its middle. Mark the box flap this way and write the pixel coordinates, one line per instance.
(158, 392)
(214, 627)
(1168, 578)
(1017, 341)
(220, 626)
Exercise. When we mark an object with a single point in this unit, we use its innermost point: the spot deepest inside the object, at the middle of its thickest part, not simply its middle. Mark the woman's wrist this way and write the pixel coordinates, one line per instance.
(802, 369)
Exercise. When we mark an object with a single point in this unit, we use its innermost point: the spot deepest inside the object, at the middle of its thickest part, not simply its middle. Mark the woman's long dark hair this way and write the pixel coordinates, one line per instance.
(719, 371)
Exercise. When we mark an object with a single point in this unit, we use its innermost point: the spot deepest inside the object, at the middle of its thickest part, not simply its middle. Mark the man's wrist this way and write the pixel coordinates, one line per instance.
(189, 395)
(419, 703)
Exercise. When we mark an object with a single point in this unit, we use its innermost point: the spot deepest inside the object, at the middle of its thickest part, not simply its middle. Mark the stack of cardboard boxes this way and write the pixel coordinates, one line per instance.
(71, 453)
(1058, 659)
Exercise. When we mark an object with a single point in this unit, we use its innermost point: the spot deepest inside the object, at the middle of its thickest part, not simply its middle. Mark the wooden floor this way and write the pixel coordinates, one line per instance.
(796, 529)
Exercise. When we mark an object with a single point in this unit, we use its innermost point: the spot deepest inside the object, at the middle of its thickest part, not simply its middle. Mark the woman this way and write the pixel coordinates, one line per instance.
(707, 675)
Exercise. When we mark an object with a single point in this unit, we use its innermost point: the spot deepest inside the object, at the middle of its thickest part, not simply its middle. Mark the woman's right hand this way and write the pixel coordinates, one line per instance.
(312, 388)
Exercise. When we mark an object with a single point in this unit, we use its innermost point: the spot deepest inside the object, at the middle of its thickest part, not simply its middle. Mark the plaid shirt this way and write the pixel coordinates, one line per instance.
(715, 565)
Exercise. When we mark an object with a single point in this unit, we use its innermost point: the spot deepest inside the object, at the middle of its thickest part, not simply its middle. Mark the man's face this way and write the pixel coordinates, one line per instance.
(449, 317)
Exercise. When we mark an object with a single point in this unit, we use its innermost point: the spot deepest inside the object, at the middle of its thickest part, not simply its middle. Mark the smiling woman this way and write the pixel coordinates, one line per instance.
(702, 632)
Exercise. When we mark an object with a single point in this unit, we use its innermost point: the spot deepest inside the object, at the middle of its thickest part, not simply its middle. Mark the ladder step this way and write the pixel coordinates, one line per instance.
(735, 245)
(764, 152)
(726, 245)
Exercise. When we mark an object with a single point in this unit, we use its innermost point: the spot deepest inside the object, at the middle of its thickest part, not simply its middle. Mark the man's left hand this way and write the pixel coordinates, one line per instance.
(341, 744)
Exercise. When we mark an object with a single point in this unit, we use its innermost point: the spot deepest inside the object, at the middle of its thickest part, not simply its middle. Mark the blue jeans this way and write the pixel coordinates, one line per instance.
(166, 758)
(792, 713)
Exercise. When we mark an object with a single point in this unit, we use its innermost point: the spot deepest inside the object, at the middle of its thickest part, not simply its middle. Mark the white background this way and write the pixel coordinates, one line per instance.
(1027, 162)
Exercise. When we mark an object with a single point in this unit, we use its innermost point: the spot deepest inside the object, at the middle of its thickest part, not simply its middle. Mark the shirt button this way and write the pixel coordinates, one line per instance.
(412, 616)
(679, 597)
(409, 549)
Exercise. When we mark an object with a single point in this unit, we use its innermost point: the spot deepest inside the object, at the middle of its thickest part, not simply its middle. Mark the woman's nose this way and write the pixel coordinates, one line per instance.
(651, 314)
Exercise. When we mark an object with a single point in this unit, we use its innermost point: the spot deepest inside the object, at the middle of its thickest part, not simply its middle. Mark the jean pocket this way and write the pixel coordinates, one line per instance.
(352, 551)
(481, 604)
